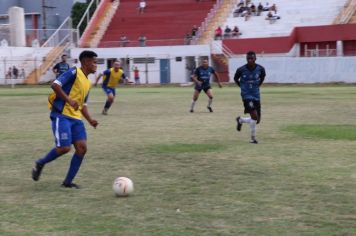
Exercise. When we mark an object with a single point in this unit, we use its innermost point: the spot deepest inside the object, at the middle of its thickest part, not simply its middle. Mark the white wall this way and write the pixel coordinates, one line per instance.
(177, 68)
(302, 69)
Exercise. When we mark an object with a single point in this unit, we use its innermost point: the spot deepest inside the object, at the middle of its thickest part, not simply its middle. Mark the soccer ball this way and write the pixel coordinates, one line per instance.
(122, 186)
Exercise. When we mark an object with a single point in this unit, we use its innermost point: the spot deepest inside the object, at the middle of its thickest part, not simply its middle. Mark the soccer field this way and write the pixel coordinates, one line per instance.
(193, 173)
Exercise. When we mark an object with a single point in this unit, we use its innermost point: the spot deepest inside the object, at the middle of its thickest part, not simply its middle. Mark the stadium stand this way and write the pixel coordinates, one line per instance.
(292, 13)
(162, 23)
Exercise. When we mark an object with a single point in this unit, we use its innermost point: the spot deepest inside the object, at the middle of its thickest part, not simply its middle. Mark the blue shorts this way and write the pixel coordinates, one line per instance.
(200, 88)
(109, 90)
(67, 131)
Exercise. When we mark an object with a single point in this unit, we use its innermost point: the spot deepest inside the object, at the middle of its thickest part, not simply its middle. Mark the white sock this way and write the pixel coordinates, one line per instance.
(253, 129)
(245, 119)
(210, 101)
(192, 105)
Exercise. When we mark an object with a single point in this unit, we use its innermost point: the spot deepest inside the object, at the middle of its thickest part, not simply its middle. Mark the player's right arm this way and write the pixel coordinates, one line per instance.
(237, 77)
(195, 78)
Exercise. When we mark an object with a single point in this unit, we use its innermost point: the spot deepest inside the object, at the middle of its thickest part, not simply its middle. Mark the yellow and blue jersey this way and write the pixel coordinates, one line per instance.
(76, 85)
(112, 78)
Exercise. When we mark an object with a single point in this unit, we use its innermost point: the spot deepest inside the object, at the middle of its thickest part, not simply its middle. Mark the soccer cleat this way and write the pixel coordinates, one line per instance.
(210, 109)
(104, 112)
(253, 141)
(191, 111)
(36, 171)
(70, 185)
(239, 124)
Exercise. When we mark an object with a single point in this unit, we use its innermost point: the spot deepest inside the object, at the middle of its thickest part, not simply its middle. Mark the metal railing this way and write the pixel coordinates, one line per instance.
(205, 24)
(147, 42)
(62, 35)
(86, 16)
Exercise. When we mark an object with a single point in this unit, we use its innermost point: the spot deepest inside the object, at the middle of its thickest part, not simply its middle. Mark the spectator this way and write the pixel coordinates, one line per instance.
(194, 31)
(218, 33)
(142, 40)
(253, 9)
(61, 67)
(227, 32)
(136, 75)
(273, 8)
(22, 74)
(259, 9)
(266, 8)
(9, 73)
(142, 6)
(272, 18)
(15, 72)
(187, 39)
(123, 41)
(236, 32)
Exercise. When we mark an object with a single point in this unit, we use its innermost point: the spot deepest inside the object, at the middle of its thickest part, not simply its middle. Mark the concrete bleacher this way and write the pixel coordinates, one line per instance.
(162, 23)
(293, 13)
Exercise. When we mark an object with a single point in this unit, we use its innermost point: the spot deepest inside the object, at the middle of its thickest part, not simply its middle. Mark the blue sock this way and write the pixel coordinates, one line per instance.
(74, 167)
(107, 105)
(52, 155)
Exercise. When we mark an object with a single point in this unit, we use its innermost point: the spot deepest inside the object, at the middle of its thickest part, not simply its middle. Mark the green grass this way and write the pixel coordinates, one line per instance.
(193, 173)
(336, 132)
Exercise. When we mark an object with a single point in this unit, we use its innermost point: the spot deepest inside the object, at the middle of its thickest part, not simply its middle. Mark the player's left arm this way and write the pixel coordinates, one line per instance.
(85, 113)
(262, 76)
(217, 79)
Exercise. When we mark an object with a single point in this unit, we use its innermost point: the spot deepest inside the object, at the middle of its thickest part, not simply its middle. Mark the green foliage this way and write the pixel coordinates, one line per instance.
(77, 13)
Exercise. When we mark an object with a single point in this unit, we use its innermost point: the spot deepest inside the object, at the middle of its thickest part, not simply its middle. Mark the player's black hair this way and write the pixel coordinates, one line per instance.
(87, 54)
(251, 53)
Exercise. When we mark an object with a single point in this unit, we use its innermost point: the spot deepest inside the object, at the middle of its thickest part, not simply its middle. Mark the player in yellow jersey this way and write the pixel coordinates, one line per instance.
(111, 78)
(68, 103)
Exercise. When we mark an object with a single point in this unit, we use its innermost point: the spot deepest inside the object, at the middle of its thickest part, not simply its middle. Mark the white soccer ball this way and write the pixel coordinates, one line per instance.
(123, 186)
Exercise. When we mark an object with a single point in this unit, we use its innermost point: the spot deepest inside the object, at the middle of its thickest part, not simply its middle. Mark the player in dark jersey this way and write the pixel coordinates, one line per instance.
(249, 78)
(61, 67)
(201, 78)
(68, 103)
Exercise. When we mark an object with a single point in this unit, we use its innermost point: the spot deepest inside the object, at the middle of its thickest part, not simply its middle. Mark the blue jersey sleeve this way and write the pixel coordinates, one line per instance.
(67, 77)
(86, 99)
(107, 72)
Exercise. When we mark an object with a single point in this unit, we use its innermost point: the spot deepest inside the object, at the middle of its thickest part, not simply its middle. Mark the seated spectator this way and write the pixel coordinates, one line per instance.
(266, 8)
(247, 13)
(227, 32)
(236, 32)
(253, 9)
(238, 11)
(259, 9)
(273, 8)
(272, 18)
(194, 31)
(218, 33)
